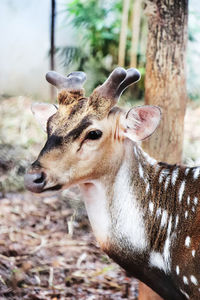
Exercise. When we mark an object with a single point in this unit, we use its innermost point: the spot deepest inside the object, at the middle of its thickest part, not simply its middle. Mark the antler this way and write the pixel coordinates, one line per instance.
(132, 76)
(109, 87)
(117, 82)
(70, 87)
(73, 81)
(106, 96)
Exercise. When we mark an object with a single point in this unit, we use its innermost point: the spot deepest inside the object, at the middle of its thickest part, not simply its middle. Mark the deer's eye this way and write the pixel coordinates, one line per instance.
(93, 135)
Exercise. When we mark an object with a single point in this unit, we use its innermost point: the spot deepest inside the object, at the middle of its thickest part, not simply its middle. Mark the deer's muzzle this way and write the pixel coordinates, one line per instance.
(35, 182)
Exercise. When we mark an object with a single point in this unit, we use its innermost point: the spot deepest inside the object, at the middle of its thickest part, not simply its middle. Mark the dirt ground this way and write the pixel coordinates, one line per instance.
(48, 253)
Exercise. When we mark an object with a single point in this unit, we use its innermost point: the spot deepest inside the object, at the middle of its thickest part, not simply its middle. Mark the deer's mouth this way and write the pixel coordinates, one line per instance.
(53, 188)
(37, 182)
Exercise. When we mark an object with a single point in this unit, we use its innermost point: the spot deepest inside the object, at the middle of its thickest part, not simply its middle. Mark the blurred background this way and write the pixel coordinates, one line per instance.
(86, 37)
(67, 35)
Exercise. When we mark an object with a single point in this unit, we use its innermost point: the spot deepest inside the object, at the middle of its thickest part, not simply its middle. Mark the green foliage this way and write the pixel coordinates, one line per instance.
(193, 54)
(97, 26)
(99, 22)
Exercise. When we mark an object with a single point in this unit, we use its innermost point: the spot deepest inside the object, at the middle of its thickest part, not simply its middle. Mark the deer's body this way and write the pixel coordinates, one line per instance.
(144, 214)
(142, 219)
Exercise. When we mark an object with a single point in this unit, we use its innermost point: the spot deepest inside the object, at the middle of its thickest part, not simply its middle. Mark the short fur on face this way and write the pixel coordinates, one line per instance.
(72, 153)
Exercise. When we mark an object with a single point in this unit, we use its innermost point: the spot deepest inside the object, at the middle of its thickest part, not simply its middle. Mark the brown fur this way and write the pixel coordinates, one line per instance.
(70, 161)
(68, 97)
(99, 105)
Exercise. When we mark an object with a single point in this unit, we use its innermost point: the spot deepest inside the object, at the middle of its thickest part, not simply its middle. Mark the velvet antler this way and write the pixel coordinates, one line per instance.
(73, 81)
(70, 87)
(106, 96)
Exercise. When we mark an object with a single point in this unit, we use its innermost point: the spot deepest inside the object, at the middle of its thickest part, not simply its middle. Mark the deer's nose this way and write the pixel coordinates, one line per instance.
(35, 182)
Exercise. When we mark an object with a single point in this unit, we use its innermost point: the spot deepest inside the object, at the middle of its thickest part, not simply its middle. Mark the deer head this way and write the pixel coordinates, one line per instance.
(85, 135)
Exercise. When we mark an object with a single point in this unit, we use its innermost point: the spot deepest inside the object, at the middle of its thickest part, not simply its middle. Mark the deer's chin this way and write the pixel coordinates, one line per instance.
(57, 187)
(48, 190)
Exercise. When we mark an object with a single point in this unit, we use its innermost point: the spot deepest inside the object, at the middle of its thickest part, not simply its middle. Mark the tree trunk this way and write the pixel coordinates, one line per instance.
(165, 82)
(136, 16)
(52, 42)
(123, 33)
(145, 293)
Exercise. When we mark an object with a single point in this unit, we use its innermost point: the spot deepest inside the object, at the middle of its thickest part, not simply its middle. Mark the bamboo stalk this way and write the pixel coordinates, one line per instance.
(123, 33)
(52, 43)
(136, 17)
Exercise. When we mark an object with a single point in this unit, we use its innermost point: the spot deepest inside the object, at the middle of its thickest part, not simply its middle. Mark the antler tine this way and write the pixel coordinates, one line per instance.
(79, 74)
(109, 87)
(105, 96)
(133, 75)
(73, 81)
(55, 78)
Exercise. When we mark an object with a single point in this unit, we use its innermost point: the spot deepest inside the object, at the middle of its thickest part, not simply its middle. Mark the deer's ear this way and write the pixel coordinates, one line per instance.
(141, 122)
(42, 112)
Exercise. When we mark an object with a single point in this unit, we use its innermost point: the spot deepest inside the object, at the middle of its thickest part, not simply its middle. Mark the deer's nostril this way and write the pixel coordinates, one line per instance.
(35, 182)
(40, 179)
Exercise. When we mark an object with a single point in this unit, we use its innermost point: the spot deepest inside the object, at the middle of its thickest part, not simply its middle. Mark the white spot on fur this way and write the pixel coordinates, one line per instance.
(176, 221)
(163, 261)
(181, 191)
(167, 245)
(186, 214)
(157, 168)
(184, 293)
(185, 280)
(187, 241)
(158, 212)
(147, 187)
(193, 280)
(195, 200)
(151, 206)
(156, 260)
(193, 253)
(169, 228)
(177, 270)
(187, 171)
(164, 218)
(163, 174)
(193, 208)
(167, 182)
(141, 172)
(175, 174)
(166, 252)
(188, 200)
(196, 173)
(127, 213)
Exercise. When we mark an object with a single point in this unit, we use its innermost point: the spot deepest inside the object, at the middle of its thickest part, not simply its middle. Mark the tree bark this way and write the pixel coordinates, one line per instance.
(165, 83)
(136, 17)
(123, 33)
(145, 293)
(52, 42)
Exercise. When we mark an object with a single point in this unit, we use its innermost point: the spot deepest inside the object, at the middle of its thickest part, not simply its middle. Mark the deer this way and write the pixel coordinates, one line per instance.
(144, 213)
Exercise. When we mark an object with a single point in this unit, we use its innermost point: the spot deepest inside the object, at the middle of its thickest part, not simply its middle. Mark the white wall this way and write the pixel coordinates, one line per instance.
(24, 32)
(24, 46)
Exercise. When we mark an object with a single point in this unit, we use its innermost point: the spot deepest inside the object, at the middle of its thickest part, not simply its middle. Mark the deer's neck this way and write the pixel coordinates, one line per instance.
(134, 210)
(141, 215)
(115, 203)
